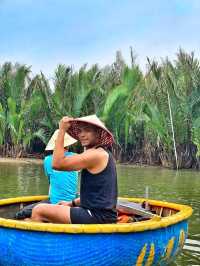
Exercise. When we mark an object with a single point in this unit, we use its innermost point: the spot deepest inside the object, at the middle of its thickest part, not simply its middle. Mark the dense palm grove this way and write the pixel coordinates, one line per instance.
(155, 117)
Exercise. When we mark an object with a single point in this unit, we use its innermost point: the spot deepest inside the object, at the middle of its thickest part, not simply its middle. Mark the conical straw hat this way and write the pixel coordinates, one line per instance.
(106, 137)
(68, 140)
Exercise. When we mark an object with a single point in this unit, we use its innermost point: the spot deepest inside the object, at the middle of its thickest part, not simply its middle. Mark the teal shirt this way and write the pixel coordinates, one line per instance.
(63, 184)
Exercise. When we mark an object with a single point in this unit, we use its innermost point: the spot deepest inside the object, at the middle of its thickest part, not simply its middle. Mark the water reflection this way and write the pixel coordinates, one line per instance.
(181, 187)
(22, 179)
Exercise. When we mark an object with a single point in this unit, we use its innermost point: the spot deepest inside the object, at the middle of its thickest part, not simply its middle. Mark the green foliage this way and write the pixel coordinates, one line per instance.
(2, 124)
(196, 135)
(133, 106)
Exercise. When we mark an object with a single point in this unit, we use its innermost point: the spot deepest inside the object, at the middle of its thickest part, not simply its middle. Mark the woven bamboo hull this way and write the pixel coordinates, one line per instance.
(72, 245)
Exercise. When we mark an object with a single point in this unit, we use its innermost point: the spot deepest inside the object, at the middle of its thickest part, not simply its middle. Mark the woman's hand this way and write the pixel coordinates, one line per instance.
(64, 123)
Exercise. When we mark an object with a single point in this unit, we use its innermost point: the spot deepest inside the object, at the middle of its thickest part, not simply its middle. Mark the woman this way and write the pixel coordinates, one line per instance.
(98, 193)
(62, 184)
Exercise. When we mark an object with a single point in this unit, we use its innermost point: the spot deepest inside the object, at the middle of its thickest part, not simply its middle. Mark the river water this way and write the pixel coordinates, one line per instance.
(17, 179)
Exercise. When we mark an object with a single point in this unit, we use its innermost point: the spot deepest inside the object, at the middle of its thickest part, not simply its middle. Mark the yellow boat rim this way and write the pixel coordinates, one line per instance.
(184, 212)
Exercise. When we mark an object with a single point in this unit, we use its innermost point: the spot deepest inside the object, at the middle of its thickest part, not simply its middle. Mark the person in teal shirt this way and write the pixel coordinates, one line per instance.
(62, 184)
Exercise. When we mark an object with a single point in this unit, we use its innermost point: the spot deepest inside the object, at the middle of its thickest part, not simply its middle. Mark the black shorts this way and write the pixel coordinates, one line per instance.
(81, 215)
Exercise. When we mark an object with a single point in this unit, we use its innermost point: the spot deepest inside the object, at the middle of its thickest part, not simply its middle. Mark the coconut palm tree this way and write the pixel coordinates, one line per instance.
(117, 108)
(15, 88)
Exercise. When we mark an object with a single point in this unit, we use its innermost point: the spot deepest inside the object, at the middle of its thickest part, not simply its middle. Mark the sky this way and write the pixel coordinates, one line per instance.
(45, 33)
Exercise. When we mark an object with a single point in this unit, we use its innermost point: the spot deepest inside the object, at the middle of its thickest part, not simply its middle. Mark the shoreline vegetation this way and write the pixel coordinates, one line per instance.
(40, 162)
(154, 116)
(21, 160)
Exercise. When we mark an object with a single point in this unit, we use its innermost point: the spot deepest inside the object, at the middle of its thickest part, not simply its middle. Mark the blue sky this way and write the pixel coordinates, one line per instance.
(45, 33)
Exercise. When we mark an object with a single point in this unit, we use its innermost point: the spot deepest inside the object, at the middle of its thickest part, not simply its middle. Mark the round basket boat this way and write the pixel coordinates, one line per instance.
(150, 242)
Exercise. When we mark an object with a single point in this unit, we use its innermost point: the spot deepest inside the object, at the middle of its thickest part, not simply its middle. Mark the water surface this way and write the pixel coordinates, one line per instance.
(20, 179)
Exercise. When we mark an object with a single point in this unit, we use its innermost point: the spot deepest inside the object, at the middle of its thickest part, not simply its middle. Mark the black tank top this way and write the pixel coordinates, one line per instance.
(98, 192)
